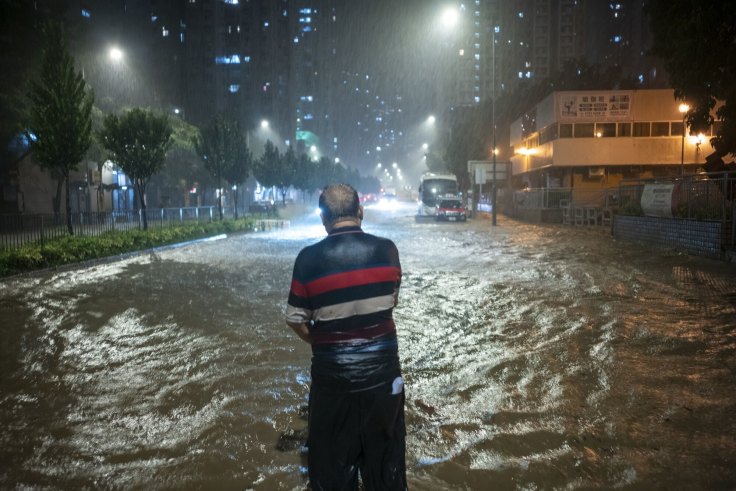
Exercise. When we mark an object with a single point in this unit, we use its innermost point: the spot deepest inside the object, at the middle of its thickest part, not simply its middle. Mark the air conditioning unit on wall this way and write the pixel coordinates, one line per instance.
(596, 172)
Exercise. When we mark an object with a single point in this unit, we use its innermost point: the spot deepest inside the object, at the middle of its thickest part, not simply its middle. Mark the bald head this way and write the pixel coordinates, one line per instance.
(339, 202)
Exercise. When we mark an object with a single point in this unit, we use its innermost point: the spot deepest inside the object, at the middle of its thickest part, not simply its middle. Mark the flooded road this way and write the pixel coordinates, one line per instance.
(535, 356)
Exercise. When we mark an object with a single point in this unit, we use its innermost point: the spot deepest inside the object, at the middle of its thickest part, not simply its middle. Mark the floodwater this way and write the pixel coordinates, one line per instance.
(535, 356)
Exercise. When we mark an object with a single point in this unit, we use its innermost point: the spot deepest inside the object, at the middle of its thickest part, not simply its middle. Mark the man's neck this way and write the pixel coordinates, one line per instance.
(343, 223)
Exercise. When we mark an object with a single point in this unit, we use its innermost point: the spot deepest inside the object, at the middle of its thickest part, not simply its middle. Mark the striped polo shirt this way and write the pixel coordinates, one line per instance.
(345, 287)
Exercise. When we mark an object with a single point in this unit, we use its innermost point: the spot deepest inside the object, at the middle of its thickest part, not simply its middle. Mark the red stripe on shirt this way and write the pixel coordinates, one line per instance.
(352, 278)
(298, 288)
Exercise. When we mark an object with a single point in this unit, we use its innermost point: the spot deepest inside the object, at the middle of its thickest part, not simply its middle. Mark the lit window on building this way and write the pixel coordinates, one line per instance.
(308, 116)
(296, 39)
(284, 13)
(305, 11)
(266, 24)
(521, 15)
(616, 39)
(181, 37)
(307, 29)
(229, 60)
(476, 99)
(154, 18)
(231, 2)
(86, 13)
(233, 88)
(164, 32)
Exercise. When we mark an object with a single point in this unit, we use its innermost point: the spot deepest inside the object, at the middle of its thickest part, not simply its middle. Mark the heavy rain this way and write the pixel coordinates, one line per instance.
(535, 357)
(557, 176)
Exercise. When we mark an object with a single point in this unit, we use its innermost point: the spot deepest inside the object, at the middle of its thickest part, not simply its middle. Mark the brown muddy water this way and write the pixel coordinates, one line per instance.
(535, 356)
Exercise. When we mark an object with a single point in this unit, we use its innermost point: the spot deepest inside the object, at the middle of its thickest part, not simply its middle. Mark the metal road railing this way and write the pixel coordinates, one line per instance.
(17, 230)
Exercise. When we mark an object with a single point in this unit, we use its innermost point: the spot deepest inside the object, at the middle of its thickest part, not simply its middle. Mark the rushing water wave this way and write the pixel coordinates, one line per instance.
(535, 357)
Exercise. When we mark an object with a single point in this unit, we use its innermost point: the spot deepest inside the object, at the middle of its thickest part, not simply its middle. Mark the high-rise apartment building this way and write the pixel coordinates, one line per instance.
(314, 73)
(535, 38)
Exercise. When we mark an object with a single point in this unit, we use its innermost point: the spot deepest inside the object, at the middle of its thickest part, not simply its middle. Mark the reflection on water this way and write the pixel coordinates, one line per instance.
(536, 357)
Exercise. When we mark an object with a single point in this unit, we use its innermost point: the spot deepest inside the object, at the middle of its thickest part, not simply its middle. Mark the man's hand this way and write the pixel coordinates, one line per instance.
(302, 330)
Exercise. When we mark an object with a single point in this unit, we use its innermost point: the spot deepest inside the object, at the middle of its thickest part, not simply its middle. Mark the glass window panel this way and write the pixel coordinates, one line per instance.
(641, 129)
(605, 130)
(660, 129)
(584, 130)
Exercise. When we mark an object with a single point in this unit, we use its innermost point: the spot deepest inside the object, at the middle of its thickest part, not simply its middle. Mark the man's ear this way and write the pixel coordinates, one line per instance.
(360, 212)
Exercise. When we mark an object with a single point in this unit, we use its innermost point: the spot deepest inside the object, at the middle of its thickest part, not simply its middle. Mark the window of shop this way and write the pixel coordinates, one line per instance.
(624, 129)
(605, 130)
(584, 130)
(660, 129)
(565, 130)
(641, 129)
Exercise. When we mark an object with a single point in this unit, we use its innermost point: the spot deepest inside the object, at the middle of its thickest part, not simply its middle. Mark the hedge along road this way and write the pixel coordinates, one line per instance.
(536, 357)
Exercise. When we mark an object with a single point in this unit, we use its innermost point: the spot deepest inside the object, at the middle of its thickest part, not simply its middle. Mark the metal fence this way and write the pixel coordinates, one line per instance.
(542, 198)
(18, 230)
(705, 197)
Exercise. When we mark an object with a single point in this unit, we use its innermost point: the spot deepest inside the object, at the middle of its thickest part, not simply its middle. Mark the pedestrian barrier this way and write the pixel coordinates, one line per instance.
(268, 225)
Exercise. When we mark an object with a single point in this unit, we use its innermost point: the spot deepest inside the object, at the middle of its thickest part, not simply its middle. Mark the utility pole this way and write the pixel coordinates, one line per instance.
(493, 117)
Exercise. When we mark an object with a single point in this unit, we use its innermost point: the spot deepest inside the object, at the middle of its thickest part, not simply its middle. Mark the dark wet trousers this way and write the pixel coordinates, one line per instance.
(361, 431)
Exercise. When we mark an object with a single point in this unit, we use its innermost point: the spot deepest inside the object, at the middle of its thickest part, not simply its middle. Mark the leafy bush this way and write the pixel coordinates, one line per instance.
(71, 249)
(632, 209)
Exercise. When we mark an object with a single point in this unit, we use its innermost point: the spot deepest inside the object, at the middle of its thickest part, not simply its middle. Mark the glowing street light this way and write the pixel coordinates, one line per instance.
(116, 54)
(425, 146)
(449, 17)
(683, 108)
(431, 119)
(264, 124)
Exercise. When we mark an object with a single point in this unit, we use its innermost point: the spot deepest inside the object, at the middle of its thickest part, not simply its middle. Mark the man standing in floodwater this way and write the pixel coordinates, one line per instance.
(343, 292)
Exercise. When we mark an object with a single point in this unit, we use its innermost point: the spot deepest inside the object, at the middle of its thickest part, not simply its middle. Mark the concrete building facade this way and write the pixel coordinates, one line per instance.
(598, 138)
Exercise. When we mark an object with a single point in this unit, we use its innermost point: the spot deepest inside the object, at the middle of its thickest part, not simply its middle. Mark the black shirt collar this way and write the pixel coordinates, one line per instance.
(346, 229)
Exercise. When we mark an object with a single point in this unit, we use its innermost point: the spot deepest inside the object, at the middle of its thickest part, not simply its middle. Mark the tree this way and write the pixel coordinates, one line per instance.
(267, 169)
(138, 142)
(223, 148)
(182, 170)
(211, 145)
(289, 168)
(238, 159)
(304, 172)
(695, 40)
(434, 162)
(60, 123)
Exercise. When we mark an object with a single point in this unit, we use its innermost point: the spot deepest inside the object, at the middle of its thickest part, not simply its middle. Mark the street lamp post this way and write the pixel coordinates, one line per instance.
(684, 108)
(493, 119)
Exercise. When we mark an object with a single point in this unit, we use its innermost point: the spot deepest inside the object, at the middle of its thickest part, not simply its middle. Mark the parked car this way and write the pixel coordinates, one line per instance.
(451, 210)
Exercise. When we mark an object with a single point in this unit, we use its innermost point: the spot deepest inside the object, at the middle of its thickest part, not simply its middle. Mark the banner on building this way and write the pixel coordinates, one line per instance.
(594, 106)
